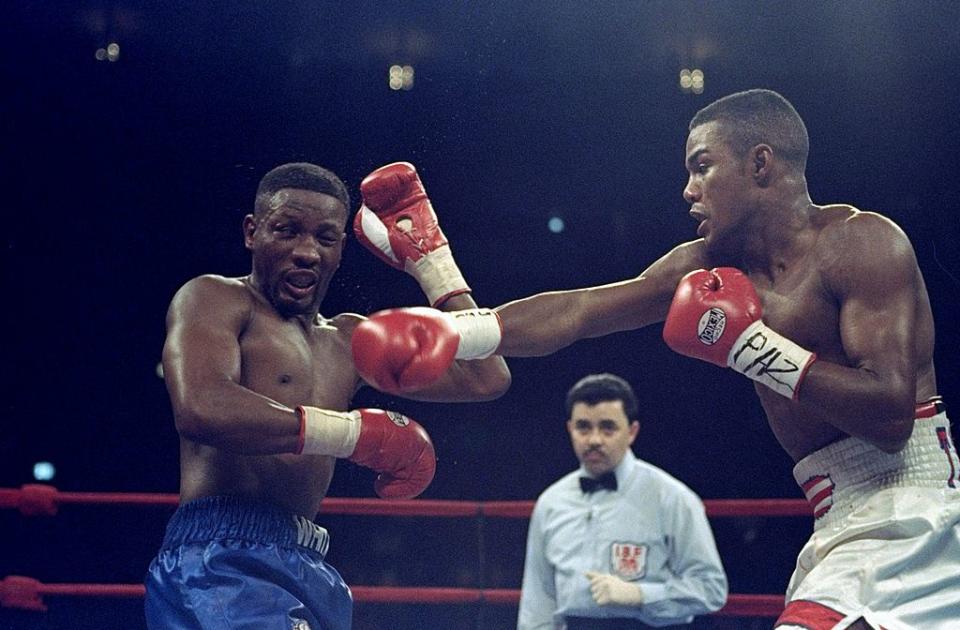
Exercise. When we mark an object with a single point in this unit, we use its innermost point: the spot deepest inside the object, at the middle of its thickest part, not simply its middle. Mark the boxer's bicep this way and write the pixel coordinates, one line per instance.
(878, 303)
(202, 348)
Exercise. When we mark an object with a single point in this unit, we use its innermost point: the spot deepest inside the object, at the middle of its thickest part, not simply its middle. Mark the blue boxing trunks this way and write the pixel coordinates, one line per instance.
(234, 563)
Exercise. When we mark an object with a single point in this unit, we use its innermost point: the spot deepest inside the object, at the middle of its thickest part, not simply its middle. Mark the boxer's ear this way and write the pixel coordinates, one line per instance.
(249, 227)
(761, 161)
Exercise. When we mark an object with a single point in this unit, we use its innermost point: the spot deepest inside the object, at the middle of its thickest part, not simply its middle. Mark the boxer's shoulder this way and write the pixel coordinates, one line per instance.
(213, 293)
(341, 323)
(852, 242)
(841, 225)
(338, 328)
(213, 285)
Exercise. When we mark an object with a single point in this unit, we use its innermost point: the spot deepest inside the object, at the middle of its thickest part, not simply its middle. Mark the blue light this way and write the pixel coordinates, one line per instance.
(44, 471)
(555, 224)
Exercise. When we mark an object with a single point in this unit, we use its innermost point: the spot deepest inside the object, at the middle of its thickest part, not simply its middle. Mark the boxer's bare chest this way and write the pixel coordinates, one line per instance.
(797, 304)
(297, 363)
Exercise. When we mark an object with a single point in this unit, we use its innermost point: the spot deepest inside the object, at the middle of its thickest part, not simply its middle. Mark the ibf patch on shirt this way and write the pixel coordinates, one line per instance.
(628, 561)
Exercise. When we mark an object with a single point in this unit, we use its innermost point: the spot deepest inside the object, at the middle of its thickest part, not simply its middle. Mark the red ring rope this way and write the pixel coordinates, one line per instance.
(17, 591)
(39, 499)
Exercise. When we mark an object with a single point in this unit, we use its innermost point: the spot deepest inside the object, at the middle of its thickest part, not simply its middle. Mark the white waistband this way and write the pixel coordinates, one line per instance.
(838, 478)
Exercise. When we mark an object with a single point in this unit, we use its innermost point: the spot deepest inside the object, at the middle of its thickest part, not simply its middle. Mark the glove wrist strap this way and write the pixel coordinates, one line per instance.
(770, 358)
(479, 330)
(438, 275)
(324, 432)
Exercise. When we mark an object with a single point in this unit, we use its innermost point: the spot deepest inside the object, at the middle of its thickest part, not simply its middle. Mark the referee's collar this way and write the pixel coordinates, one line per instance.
(621, 470)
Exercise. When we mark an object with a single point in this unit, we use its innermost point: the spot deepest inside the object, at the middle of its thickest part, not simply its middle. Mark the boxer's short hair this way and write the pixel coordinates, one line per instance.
(759, 117)
(299, 176)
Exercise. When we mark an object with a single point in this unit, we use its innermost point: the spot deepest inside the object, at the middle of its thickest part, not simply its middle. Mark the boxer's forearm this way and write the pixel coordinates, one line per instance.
(544, 323)
(481, 379)
(539, 325)
(875, 407)
(236, 419)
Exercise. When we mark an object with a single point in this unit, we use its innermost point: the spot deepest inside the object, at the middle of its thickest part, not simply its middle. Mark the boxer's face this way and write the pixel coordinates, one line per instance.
(296, 247)
(718, 189)
(601, 434)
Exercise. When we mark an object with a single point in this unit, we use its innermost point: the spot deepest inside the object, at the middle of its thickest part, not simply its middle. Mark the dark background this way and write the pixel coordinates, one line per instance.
(123, 180)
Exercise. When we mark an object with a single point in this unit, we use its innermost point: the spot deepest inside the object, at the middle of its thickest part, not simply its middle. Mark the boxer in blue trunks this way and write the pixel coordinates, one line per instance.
(260, 384)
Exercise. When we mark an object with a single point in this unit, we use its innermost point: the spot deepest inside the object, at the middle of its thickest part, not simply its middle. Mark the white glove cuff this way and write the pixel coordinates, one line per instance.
(438, 275)
(324, 432)
(479, 330)
(768, 357)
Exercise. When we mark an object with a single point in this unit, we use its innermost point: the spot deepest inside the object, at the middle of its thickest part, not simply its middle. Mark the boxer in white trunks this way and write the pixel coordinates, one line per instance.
(825, 307)
(886, 544)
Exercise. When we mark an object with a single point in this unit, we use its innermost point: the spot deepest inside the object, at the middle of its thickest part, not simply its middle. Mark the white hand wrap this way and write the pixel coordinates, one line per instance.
(324, 432)
(479, 330)
(438, 274)
(770, 358)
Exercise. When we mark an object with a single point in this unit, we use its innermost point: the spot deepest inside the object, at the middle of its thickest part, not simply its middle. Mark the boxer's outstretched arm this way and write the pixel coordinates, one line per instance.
(875, 278)
(544, 323)
(483, 379)
(201, 368)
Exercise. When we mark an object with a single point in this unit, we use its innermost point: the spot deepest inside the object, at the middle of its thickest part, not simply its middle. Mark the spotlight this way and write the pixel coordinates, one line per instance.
(691, 81)
(401, 77)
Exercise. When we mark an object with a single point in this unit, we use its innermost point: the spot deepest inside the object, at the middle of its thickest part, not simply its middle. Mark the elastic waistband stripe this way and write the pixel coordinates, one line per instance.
(236, 518)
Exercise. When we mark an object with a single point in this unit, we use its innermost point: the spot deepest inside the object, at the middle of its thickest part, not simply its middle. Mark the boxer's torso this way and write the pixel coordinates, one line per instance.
(798, 303)
(294, 364)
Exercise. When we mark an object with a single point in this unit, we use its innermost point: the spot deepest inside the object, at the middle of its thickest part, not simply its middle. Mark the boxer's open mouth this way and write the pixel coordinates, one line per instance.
(301, 282)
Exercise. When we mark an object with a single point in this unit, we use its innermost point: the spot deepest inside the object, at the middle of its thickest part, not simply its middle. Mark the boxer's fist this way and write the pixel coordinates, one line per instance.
(399, 449)
(397, 223)
(710, 310)
(715, 316)
(390, 443)
(404, 349)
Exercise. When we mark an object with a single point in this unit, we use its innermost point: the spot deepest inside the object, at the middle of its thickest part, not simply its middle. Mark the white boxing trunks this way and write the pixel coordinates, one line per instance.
(886, 540)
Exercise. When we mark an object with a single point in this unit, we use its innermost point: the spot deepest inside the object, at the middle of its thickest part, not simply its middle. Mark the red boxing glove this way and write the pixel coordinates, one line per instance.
(709, 311)
(390, 443)
(404, 349)
(715, 316)
(397, 223)
(399, 449)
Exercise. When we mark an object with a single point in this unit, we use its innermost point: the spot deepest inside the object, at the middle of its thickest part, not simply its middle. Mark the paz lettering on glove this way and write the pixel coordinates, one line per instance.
(715, 316)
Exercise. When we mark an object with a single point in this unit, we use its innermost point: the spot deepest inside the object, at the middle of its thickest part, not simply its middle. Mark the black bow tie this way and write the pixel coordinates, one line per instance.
(607, 480)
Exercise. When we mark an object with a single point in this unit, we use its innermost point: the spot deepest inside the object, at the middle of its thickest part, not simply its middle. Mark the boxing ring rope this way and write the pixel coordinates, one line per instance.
(44, 500)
